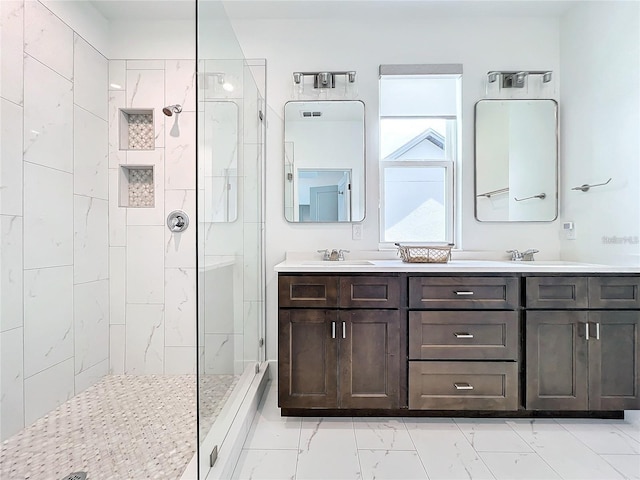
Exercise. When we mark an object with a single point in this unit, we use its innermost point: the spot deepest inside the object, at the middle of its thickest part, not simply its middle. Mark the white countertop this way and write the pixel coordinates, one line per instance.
(375, 262)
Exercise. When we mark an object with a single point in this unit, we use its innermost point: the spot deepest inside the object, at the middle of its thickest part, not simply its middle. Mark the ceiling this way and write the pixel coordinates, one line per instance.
(352, 9)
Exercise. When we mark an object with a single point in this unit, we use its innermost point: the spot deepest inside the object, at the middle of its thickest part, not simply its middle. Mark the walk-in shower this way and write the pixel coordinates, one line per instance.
(128, 333)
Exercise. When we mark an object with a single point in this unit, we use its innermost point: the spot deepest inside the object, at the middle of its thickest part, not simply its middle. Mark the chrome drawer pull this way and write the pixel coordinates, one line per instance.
(463, 386)
(344, 330)
(597, 331)
(464, 293)
(333, 329)
(463, 335)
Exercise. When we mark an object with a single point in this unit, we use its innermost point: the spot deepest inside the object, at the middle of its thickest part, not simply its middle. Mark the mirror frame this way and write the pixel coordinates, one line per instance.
(556, 194)
(328, 168)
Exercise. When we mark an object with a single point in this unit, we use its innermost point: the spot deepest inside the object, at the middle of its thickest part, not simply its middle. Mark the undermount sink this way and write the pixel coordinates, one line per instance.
(330, 263)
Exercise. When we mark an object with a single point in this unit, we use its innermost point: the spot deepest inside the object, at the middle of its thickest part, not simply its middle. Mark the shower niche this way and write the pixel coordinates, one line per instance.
(137, 188)
(136, 128)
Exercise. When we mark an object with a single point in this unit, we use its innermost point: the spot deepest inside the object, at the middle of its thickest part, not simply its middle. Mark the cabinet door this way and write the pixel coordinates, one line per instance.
(307, 358)
(369, 358)
(556, 367)
(614, 360)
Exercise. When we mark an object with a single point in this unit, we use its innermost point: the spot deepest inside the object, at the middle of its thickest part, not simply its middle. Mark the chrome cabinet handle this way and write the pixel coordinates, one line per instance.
(463, 335)
(463, 386)
(344, 330)
(464, 293)
(597, 331)
(586, 330)
(333, 329)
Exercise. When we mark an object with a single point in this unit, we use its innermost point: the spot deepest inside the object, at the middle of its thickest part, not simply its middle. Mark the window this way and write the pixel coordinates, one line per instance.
(419, 121)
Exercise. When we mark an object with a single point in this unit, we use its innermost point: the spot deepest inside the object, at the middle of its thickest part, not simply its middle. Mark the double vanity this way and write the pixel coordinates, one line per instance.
(472, 338)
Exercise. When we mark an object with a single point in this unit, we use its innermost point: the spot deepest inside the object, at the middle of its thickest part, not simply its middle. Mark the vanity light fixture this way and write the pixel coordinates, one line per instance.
(513, 79)
(323, 79)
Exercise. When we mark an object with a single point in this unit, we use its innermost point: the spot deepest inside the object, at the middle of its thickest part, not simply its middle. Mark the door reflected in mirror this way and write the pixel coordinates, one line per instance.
(324, 161)
(516, 160)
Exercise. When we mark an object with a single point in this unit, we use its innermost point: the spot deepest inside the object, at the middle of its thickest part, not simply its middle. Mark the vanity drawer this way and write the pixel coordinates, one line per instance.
(307, 291)
(463, 385)
(614, 292)
(482, 335)
(472, 293)
(369, 292)
(556, 292)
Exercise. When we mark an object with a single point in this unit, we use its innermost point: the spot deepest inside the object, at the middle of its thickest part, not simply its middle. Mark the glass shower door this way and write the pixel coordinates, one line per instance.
(230, 230)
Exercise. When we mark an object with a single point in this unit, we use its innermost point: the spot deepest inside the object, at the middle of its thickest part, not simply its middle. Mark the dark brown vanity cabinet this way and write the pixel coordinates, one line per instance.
(339, 342)
(463, 343)
(479, 344)
(582, 343)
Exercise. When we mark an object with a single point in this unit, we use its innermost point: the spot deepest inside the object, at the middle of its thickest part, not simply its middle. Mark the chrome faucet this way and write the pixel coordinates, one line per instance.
(333, 255)
(526, 256)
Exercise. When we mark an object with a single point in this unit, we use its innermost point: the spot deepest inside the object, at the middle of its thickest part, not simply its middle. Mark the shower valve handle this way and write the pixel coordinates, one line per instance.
(177, 221)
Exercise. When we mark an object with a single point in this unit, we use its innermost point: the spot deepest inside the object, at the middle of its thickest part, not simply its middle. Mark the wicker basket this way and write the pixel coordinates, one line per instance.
(424, 254)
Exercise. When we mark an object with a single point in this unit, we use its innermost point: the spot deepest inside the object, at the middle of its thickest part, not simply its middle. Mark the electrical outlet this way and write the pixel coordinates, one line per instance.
(356, 231)
(569, 230)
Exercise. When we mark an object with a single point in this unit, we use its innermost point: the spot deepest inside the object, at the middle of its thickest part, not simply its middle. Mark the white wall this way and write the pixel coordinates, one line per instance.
(480, 44)
(54, 213)
(600, 122)
(152, 39)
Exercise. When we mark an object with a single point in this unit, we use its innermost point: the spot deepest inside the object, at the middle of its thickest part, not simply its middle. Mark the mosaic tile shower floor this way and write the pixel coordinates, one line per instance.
(123, 427)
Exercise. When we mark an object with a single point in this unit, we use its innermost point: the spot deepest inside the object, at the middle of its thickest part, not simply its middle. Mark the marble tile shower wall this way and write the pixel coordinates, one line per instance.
(153, 271)
(54, 318)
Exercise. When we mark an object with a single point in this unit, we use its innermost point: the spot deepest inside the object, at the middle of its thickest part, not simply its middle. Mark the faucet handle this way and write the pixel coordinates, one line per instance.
(325, 254)
(515, 255)
(528, 254)
(341, 253)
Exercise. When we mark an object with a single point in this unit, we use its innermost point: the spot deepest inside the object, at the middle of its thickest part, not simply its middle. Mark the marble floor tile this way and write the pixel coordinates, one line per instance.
(567, 455)
(434, 448)
(444, 450)
(382, 434)
(266, 465)
(271, 431)
(627, 465)
(631, 429)
(488, 435)
(327, 450)
(518, 466)
(602, 437)
(391, 465)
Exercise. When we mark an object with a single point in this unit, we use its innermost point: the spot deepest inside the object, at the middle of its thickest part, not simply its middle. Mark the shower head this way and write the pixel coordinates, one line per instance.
(171, 109)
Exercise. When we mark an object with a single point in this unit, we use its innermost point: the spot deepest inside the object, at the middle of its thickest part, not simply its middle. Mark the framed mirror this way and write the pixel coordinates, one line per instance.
(516, 160)
(324, 164)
